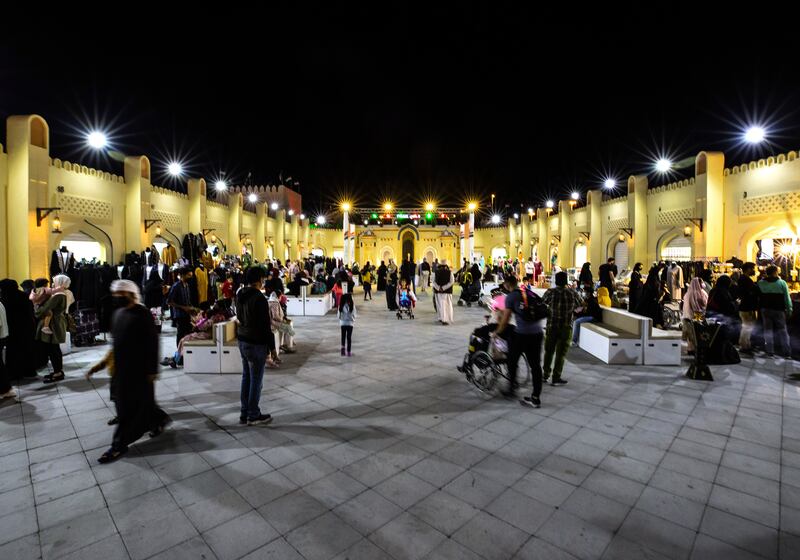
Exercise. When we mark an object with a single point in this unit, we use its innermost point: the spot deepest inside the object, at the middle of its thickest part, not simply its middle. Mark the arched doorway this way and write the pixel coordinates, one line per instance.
(679, 248)
(84, 247)
(499, 252)
(430, 254)
(581, 254)
(408, 246)
(621, 255)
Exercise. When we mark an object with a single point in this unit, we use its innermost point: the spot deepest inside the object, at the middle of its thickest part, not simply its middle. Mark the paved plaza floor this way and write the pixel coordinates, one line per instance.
(390, 454)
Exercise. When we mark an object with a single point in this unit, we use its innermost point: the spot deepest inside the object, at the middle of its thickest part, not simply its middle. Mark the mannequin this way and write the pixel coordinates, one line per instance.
(61, 261)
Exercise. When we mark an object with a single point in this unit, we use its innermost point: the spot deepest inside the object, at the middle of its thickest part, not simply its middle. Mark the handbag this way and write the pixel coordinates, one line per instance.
(72, 327)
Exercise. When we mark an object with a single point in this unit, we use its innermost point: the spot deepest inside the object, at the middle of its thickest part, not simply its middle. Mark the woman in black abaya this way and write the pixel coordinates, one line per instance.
(381, 273)
(22, 327)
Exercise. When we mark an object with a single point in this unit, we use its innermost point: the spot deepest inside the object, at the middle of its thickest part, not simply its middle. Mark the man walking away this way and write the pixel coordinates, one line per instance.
(443, 292)
(561, 302)
(424, 274)
(776, 307)
(255, 341)
(526, 339)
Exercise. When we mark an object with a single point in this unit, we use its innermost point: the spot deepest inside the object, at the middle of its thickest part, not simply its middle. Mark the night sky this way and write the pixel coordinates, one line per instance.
(411, 101)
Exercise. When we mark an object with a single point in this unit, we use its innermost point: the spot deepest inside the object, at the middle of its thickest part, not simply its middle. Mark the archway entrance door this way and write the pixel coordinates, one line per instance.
(408, 246)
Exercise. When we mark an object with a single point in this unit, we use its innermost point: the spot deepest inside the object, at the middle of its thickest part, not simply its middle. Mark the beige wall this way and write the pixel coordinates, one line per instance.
(739, 205)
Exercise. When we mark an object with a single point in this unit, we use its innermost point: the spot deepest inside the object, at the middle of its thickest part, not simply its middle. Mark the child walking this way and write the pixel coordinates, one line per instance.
(347, 316)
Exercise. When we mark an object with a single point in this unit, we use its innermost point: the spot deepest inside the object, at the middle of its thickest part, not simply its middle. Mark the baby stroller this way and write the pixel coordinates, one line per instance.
(405, 304)
(470, 293)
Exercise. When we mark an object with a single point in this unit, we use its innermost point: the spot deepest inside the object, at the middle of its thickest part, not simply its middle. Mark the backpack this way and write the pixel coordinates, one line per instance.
(531, 306)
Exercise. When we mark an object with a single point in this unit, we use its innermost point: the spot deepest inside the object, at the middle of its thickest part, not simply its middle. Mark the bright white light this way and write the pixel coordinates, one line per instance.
(321, 220)
(175, 169)
(575, 195)
(252, 197)
(274, 205)
(302, 216)
(516, 216)
(754, 134)
(221, 185)
(290, 212)
(366, 222)
(495, 219)
(550, 204)
(610, 184)
(530, 210)
(663, 165)
(97, 140)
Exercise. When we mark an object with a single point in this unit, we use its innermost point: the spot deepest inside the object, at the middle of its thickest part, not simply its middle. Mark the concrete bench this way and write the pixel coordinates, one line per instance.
(619, 339)
(230, 359)
(201, 356)
(662, 347)
(318, 304)
(294, 306)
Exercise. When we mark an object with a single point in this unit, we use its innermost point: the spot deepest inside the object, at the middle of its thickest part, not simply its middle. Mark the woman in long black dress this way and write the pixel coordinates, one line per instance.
(391, 292)
(650, 303)
(381, 277)
(135, 369)
(22, 327)
(635, 287)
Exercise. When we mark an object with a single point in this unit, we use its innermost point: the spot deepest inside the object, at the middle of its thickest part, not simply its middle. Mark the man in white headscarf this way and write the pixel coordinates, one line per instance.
(443, 281)
(135, 370)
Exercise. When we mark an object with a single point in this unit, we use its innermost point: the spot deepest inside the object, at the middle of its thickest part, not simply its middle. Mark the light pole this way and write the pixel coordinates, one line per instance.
(346, 230)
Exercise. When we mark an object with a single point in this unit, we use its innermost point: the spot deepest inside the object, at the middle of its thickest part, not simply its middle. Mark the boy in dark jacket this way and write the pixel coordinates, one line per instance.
(255, 343)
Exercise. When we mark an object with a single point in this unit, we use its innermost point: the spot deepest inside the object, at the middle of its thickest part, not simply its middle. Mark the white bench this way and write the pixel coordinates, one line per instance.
(202, 356)
(294, 305)
(619, 339)
(318, 304)
(230, 359)
(662, 347)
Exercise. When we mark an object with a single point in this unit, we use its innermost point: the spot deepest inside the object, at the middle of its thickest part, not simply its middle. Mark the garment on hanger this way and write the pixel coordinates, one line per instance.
(169, 255)
(202, 284)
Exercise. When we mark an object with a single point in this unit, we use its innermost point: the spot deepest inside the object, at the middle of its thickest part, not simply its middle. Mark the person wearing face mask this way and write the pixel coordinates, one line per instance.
(135, 358)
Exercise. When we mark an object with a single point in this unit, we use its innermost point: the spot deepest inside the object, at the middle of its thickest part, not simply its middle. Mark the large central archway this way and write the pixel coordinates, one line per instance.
(408, 246)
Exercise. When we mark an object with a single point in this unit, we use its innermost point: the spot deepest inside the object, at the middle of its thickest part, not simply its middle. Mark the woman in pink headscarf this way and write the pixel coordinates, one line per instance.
(694, 304)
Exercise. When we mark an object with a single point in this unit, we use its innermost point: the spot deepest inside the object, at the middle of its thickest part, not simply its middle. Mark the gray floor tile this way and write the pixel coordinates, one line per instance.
(544, 488)
(193, 549)
(655, 533)
(576, 536)
(368, 511)
(452, 550)
(491, 537)
(474, 489)
(745, 505)
(24, 548)
(405, 489)
(407, 537)
(709, 548)
(618, 488)
(624, 549)
(76, 534)
(334, 489)
(214, 511)
(291, 511)
(278, 549)
(740, 532)
(265, 488)
(444, 512)
(69, 507)
(671, 507)
(323, 537)
(596, 509)
(18, 524)
(239, 536)
(110, 548)
(157, 535)
(522, 512)
(564, 469)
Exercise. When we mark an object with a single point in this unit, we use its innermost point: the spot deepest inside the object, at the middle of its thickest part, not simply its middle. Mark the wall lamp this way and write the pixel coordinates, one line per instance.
(42, 213)
(150, 223)
(698, 222)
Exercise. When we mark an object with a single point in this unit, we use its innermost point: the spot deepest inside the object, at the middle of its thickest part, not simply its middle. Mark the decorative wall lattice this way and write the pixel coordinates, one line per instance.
(85, 207)
(219, 228)
(616, 224)
(774, 203)
(168, 220)
(674, 217)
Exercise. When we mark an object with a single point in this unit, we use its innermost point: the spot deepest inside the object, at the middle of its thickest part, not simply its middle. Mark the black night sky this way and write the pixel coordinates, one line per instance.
(412, 101)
